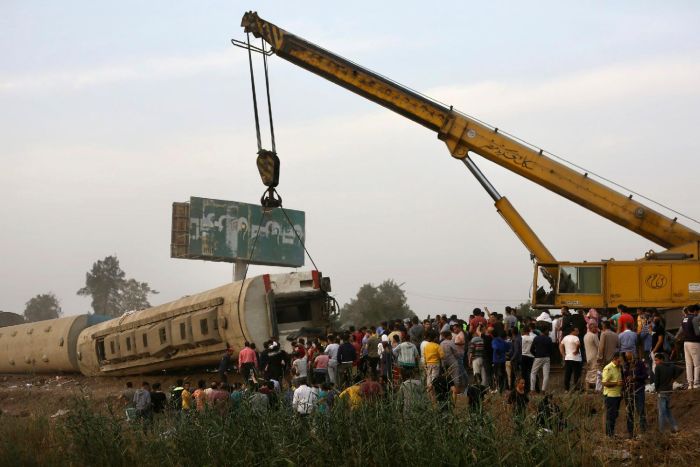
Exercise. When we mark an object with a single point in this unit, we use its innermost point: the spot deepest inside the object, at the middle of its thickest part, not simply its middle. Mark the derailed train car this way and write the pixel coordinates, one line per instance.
(189, 332)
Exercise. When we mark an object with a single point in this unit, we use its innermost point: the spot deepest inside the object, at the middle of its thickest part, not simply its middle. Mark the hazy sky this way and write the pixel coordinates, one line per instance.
(110, 111)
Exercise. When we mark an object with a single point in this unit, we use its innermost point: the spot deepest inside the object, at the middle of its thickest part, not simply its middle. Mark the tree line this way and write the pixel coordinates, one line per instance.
(112, 293)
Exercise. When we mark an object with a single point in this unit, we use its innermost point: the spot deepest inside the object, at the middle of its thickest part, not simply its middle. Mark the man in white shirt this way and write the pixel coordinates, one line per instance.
(304, 399)
(527, 358)
(332, 352)
(300, 367)
(570, 349)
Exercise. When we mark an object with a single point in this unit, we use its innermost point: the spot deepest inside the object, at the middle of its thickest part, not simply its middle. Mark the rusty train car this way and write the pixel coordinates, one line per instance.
(192, 331)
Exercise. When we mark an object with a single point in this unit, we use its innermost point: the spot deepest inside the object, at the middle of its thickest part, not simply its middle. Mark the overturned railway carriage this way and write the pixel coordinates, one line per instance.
(43, 346)
(189, 332)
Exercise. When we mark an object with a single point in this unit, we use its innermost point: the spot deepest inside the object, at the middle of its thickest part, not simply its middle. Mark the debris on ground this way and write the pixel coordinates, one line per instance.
(60, 413)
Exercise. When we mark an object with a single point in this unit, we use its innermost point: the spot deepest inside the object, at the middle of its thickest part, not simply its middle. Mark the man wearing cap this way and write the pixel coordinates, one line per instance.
(612, 390)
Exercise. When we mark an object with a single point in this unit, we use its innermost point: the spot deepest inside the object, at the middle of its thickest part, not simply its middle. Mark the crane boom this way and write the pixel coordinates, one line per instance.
(463, 134)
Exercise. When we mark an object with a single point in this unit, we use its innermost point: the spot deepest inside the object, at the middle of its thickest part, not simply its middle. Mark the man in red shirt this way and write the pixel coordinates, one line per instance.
(358, 335)
(247, 361)
(624, 318)
(477, 320)
(357, 344)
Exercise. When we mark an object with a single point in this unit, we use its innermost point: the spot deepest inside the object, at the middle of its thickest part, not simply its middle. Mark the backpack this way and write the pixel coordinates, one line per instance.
(176, 398)
(669, 342)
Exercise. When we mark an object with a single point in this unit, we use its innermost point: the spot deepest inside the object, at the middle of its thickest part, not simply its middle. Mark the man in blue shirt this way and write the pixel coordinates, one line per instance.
(628, 339)
(346, 357)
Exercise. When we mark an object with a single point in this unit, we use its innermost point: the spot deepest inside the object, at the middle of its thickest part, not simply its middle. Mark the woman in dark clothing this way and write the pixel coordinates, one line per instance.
(158, 399)
(519, 399)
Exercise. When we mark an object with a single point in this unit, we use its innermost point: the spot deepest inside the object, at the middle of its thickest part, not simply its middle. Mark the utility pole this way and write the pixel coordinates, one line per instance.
(239, 270)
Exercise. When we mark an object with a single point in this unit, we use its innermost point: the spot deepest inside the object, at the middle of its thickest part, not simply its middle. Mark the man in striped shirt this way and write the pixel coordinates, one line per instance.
(406, 354)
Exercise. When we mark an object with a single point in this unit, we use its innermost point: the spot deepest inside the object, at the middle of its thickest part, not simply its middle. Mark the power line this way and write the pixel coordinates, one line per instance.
(532, 146)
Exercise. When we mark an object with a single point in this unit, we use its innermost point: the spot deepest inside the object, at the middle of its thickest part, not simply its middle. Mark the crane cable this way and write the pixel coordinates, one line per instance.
(264, 53)
(255, 99)
(269, 101)
(271, 190)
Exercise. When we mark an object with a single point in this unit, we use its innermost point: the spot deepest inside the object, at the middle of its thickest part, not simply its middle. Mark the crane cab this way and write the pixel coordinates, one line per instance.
(639, 283)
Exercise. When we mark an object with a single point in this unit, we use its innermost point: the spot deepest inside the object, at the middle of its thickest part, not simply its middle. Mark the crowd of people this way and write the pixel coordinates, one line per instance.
(440, 360)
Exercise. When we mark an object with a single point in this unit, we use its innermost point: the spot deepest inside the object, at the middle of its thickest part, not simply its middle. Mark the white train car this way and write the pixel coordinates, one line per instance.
(189, 332)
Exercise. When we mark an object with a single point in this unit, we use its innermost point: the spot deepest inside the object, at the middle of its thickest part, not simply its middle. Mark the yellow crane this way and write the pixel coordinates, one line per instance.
(666, 279)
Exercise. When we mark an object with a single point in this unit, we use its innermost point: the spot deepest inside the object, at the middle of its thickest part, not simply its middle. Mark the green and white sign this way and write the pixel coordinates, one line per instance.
(231, 231)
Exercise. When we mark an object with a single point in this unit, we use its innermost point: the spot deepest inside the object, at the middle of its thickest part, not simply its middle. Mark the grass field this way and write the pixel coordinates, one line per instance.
(381, 433)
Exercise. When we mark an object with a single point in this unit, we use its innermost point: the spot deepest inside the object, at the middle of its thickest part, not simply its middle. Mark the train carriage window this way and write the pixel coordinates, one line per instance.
(204, 326)
(145, 340)
(183, 331)
(101, 350)
(293, 312)
(162, 336)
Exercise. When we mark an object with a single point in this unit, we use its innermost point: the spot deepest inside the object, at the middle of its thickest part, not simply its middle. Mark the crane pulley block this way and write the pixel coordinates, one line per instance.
(269, 168)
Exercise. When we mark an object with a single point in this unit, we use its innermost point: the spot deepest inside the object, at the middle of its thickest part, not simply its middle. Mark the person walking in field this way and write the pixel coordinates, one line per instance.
(200, 396)
(664, 375)
(372, 349)
(332, 352)
(542, 351)
(247, 361)
(387, 363)
(527, 359)
(612, 390)
(225, 364)
(406, 354)
(570, 348)
(500, 349)
(591, 342)
(691, 346)
(186, 397)
(142, 403)
(433, 356)
(304, 399)
(634, 372)
(519, 399)
(476, 357)
(609, 345)
(628, 339)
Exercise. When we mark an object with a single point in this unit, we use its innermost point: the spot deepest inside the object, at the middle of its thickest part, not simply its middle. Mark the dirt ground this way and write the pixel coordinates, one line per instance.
(37, 395)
